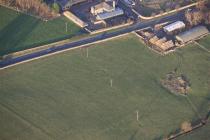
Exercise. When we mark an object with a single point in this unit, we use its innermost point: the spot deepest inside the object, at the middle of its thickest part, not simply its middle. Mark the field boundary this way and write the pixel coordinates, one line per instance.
(32, 50)
(203, 122)
(201, 46)
(41, 47)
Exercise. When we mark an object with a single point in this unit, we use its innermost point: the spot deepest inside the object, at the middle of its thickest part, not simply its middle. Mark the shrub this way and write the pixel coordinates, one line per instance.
(55, 7)
(186, 126)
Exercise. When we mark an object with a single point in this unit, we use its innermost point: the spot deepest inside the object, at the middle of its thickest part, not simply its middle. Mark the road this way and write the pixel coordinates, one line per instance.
(102, 36)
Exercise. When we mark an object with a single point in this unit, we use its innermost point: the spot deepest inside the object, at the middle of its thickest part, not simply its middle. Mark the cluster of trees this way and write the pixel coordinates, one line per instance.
(6, 2)
(36, 7)
(199, 15)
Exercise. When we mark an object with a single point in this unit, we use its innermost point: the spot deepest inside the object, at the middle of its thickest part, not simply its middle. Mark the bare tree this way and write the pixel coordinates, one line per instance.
(194, 17)
(36, 7)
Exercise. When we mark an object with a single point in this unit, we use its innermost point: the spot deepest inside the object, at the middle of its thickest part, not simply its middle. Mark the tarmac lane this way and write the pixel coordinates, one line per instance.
(137, 26)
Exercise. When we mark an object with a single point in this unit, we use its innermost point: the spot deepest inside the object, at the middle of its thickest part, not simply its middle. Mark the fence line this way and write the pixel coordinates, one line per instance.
(202, 123)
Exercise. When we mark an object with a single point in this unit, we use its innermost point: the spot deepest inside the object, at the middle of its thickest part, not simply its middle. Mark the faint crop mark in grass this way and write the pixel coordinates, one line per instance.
(5, 107)
(180, 58)
(193, 107)
(134, 135)
(208, 115)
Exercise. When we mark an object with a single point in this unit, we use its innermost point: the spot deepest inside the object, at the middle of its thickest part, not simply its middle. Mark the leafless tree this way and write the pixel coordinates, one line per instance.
(36, 7)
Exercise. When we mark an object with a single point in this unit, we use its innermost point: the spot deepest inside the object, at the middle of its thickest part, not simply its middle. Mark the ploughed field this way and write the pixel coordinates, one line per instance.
(94, 96)
(19, 31)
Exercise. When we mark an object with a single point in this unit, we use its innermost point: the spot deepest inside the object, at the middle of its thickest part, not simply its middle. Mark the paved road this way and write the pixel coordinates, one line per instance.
(102, 36)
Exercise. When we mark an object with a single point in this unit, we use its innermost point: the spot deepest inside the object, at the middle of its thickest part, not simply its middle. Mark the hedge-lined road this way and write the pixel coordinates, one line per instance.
(137, 26)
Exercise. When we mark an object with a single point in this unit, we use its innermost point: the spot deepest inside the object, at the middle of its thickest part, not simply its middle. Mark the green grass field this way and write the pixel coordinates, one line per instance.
(68, 96)
(205, 42)
(19, 31)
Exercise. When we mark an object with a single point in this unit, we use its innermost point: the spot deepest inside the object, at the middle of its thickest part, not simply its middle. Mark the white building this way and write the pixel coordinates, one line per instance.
(174, 26)
(106, 10)
(102, 7)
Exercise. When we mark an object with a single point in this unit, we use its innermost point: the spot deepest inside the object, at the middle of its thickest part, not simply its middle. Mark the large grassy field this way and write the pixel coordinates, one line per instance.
(69, 96)
(19, 31)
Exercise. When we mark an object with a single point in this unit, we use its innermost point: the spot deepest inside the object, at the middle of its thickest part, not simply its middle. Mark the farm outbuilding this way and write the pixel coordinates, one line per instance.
(102, 7)
(174, 26)
(106, 10)
(192, 34)
(153, 39)
(106, 15)
(167, 45)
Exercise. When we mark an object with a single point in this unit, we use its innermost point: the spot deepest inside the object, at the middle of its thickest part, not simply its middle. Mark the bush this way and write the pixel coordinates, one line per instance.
(186, 126)
(55, 7)
(35, 7)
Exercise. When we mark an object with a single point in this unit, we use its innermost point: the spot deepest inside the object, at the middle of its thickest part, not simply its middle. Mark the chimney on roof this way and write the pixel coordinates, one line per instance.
(114, 4)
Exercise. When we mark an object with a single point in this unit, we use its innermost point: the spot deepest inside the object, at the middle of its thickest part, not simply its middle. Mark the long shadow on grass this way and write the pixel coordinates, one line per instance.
(33, 45)
(15, 33)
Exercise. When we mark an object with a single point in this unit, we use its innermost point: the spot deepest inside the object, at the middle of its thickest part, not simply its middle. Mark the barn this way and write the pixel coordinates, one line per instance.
(178, 25)
(192, 34)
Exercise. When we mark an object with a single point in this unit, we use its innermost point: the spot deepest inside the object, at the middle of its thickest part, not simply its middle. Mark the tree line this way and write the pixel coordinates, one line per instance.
(35, 7)
(201, 14)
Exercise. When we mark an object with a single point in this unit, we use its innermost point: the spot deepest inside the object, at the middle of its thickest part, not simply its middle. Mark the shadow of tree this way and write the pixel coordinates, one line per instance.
(15, 33)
